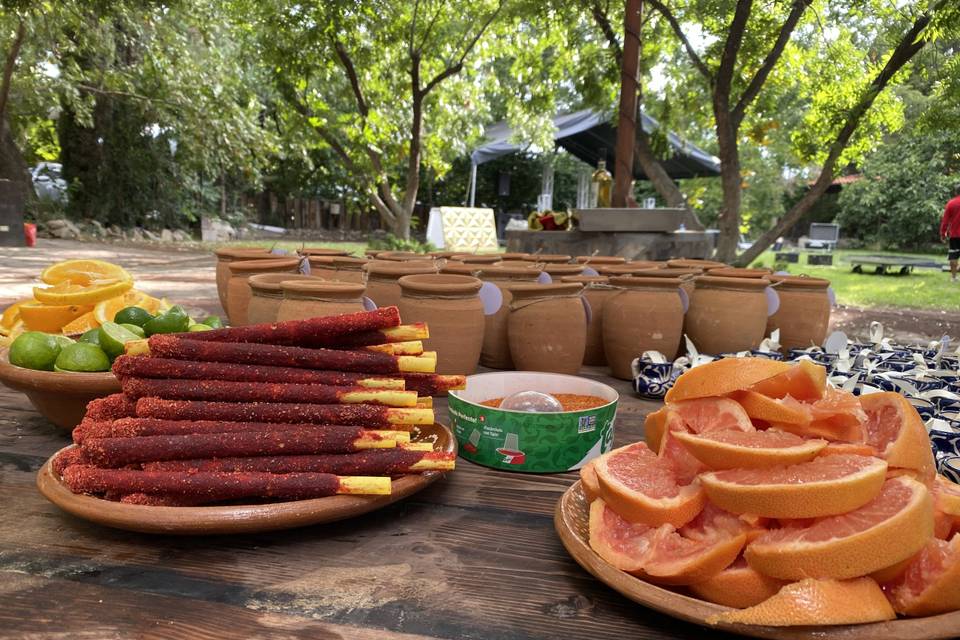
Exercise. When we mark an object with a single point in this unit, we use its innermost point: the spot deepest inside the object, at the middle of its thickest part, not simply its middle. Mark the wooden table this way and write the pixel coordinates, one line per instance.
(473, 556)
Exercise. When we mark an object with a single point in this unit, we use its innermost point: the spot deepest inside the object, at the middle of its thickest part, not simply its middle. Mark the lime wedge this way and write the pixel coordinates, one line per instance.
(113, 337)
(199, 327)
(134, 329)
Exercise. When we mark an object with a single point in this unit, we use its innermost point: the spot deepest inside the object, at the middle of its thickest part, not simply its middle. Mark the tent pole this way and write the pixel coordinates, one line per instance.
(473, 184)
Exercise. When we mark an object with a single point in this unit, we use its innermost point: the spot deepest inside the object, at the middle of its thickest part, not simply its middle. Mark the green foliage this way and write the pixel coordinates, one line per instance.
(392, 243)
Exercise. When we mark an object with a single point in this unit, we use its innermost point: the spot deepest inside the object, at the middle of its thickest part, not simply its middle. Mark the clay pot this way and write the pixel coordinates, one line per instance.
(496, 348)
(303, 299)
(548, 257)
(647, 264)
(739, 272)
(382, 277)
(347, 269)
(804, 313)
(727, 314)
(598, 260)
(460, 269)
(685, 275)
(402, 256)
(266, 295)
(706, 265)
(558, 271)
(452, 307)
(625, 269)
(547, 327)
(514, 255)
(443, 254)
(322, 251)
(322, 266)
(225, 257)
(521, 264)
(238, 289)
(596, 290)
(646, 314)
(477, 258)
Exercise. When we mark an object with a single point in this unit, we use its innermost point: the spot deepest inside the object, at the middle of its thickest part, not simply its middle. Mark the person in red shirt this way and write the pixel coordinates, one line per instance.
(950, 231)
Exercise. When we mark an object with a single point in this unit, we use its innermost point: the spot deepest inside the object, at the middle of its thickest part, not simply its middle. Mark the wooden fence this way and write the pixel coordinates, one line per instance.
(311, 214)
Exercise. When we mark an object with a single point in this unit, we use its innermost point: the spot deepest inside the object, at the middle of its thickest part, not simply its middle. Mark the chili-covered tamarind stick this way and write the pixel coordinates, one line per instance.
(67, 457)
(161, 500)
(411, 348)
(424, 402)
(110, 407)
(134, 427)
(432, 384)
(154, 367)
(311, 332)
(401, 333)
(415, 446)
(367, 415)
(173, 346)
(217, 487)
(219, 390)
(117, 452)
(377, 462)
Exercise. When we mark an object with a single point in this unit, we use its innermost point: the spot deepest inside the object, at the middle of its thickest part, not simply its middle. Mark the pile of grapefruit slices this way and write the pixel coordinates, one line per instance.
(761, 488)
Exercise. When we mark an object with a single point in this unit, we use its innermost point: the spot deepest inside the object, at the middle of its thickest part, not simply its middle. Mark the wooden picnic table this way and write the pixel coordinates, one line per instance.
(473, 556)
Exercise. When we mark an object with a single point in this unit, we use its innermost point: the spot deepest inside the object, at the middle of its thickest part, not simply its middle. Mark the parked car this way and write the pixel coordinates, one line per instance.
(48, 182)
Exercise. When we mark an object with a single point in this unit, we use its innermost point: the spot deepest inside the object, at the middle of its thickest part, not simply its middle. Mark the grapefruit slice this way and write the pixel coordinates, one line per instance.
(738, 586)
(822, 487)
(947, 496)
(654, 426)
(848, 449)
(705, 415)
(836, 416)
(720, 377)
(804, 380)
(816, 602)
(623, 544)
(643, 488)
(890, 528)
(761, 407)
(931, 582)
(749, 449)
(589, 482)
(895, 429)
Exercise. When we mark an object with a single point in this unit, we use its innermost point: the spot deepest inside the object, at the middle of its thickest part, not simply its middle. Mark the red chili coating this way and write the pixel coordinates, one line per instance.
(367, 339)
(431, 384)
(160, 500)
(205, 487)
(312, 332)
(154, 367)
(172, 346)
(133, 427)
(110, 407)
(117, 452)
(374, 462)
(367, 415)
(67, 457)
(234, 391)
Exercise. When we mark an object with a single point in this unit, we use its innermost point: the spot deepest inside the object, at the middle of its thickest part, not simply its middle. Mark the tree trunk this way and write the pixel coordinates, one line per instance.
(731, 182)
(13, 166)
(656, 174)
(627, 124)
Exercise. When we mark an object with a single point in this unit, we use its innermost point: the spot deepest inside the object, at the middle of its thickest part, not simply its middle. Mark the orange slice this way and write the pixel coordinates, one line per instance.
(37, 316)
(896, 431)
(720, 377)
(931, 582)
(822, 487)
(643, 488)
(738, 586)
(892, 527)
(67, 293)
(749, 449)
(107, 309)
(83, 272)
(816, 602)
(12, 313)
(81, 325)
(804, 380)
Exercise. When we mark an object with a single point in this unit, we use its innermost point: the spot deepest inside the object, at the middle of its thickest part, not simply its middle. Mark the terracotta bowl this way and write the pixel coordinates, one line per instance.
(61, 398)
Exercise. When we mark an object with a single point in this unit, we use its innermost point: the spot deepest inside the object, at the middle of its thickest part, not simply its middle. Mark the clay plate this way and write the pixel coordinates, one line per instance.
(59, 397)
(571, 520)
(239, 518)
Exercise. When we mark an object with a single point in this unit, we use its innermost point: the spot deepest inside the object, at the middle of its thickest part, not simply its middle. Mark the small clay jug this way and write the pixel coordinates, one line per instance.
(596, 290)
(558, 271)
(402, 256)
(238, 289)
(230, 254)
(646, 314)
(514, 255)
(557, 258)
(450, 304)
(322, 266)
(599, 260)
(266, 295)
(477, 258)
(458, 268)
(496, 347)
(547, 327)
(383, 275)
(613, 270)
(303, 299)
(647, 264)
(686, 275)
(727, 314)
(443, 254)
(706, 265)
(740, 272)
(804, 313)
(348, 269)
(322, 251)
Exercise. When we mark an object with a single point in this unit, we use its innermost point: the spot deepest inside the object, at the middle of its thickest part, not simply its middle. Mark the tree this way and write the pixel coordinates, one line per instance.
(387, 96)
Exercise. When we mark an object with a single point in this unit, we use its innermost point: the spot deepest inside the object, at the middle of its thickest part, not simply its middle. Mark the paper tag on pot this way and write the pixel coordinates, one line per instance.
(544, 278)
(832, 297)
(305, 265)
(684, 299)
(368, 304)
(835, 342)
(590, 271)
(773, 301)
(491, 297)
(586, 309)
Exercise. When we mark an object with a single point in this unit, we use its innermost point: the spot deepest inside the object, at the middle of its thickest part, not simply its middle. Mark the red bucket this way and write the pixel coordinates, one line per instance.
(30, 233)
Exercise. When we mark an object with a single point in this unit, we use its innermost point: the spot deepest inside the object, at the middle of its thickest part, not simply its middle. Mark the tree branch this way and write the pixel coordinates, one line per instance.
(455, 68)
(413, 25)
(602, 20)
(731, 49)
(8, 66)
(675, 25)
(760, 77)
(352, 77)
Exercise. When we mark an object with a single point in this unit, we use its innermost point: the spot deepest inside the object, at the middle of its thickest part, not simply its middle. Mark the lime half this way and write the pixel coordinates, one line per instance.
(91, 337)
(134, 329)
(82, 356)
(35, 350)
(113, 337)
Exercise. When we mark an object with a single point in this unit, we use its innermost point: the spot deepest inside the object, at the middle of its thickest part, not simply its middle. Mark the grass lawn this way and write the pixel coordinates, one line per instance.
(922, 289)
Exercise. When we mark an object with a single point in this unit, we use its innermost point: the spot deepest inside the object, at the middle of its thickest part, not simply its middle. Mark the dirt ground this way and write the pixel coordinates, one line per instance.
(187, 276)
